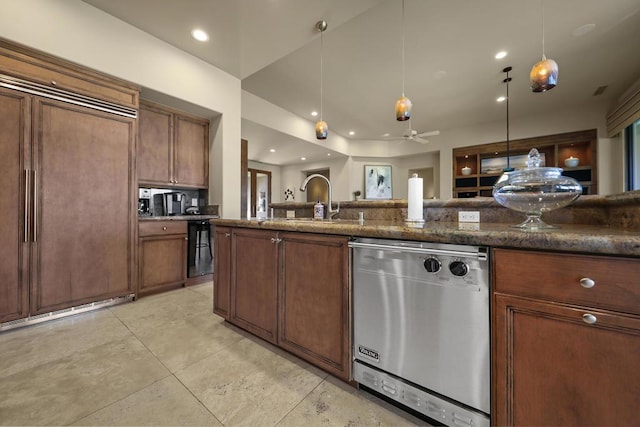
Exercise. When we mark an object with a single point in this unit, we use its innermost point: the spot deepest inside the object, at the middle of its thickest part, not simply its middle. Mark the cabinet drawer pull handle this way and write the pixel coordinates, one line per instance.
(227, 234)
(27, 188)
(589, 318)
(164, 228)
(35, 208)
(587, 283)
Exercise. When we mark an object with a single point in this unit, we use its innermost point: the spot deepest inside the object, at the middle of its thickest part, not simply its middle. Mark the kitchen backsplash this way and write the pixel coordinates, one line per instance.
(193, 198)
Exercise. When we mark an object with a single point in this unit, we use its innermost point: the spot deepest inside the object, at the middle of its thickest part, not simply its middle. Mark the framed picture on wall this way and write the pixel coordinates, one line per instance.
(377, 182)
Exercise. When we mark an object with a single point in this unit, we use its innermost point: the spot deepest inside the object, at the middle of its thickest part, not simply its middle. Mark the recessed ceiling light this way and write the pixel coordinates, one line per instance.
(386, 134)
(501, 99)
(314, 113)
(273, 150)
(501, 54)
(328, 154)
(199, 35)
(303, 158)
(351, 133)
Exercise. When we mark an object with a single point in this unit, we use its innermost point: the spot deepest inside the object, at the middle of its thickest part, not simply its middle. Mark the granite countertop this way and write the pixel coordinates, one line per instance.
(589, 239)
(177, 218)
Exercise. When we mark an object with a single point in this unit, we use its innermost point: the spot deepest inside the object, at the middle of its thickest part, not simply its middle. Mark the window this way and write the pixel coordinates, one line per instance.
(632, 149)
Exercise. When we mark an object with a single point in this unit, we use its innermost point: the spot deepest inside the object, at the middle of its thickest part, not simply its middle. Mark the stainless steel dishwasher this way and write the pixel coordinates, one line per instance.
(421, 327)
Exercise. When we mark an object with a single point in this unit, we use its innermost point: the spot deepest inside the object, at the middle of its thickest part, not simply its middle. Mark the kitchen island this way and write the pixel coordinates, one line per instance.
(564, 301)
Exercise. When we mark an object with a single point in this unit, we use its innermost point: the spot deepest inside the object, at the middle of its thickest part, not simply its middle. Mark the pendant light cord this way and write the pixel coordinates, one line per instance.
(402, 47)
(321, 69)
(542, 12)
(507, 80)
(508, 154)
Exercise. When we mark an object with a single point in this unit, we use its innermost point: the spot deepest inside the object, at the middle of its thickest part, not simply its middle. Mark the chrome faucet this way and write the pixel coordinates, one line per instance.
(303, 187)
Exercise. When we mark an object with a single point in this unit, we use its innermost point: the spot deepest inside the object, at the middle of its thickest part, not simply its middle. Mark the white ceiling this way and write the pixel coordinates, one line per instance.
(451, 74)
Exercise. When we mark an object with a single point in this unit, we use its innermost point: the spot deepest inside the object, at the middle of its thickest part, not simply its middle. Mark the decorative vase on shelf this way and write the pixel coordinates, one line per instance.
(535, 190)
(466, 170)
(571, 162)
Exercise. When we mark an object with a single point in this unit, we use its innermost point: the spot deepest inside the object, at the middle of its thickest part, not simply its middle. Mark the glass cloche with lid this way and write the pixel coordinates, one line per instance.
(535, 190)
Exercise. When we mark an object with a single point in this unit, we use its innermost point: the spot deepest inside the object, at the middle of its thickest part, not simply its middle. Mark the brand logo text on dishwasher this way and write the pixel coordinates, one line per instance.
(369, 353)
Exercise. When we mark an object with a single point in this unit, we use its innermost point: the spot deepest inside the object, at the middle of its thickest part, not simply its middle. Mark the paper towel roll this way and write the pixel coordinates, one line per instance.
(414, 198)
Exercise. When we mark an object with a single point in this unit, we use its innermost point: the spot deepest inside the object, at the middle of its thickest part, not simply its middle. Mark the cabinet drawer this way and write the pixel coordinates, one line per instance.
(155, 228)
(595, 281)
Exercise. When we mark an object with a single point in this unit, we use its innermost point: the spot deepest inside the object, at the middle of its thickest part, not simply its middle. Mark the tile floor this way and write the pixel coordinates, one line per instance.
(167, 360)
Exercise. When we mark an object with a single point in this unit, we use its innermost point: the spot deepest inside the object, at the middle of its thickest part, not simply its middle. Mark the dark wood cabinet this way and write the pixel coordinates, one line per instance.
(69, 202)
(314, 301)
(83, 205)
(477, 168)
(154, 153)
(162, 256)
(566, 339)
(173, 148)
(65, 163)
(254, 274)
(14, 131)
(191, 151)
(292, 289)
(222, 271)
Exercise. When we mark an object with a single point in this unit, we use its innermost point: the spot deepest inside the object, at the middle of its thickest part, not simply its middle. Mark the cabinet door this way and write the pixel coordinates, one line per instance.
(314, 305)
(84, 206)
(254, 281)
(552, 368)
(163, 263)
(191, 152)
(222, 271)
(154, 153)
(14, 141)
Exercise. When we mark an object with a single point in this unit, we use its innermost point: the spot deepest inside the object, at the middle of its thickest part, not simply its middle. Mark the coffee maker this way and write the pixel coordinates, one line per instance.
(174, 203)
(144, 200)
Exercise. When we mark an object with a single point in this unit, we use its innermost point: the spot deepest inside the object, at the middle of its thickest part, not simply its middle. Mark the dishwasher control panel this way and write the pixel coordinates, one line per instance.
(433, 263)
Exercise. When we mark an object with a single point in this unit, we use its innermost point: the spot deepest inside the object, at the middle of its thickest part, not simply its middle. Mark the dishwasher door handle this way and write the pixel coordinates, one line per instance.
(409, 249)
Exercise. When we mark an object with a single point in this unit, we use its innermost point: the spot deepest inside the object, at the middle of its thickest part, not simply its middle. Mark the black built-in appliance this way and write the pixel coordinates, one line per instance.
(200, 254)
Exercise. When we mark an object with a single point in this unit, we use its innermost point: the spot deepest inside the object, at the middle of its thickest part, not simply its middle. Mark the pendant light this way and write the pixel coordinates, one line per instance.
(403, 104)
(544, 74)
(322, 130)
(507, 80)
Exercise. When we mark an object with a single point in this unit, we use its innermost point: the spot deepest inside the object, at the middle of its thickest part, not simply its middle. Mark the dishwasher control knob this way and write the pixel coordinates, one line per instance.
(458, 268)
(432, 265)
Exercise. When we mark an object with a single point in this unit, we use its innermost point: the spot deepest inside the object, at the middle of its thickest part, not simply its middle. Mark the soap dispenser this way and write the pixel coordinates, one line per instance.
(318, 211)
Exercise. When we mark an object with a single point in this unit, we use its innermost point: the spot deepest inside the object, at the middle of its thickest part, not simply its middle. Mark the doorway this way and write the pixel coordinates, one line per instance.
(259, 191)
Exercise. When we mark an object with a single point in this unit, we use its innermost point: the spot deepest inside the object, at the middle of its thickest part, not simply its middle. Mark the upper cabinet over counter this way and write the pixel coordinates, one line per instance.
(173, 148)
(477, 168)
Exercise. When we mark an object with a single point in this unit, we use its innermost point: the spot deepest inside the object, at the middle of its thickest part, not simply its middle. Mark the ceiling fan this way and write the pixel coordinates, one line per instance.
(413, 135)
